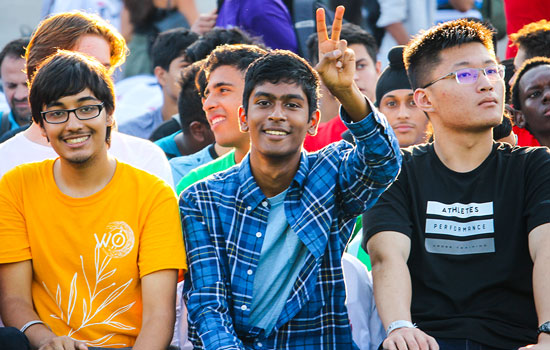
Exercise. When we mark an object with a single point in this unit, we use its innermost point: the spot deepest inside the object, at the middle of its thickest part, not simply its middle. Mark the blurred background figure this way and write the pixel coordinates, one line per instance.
(14, 85)
(394, 98)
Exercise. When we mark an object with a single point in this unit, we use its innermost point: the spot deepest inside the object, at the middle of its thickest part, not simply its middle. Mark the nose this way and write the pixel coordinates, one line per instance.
(403, 112)
(209, 102)
(21, 93)
(73, 123)
(483, 82)
(546, 95)
(277, 113)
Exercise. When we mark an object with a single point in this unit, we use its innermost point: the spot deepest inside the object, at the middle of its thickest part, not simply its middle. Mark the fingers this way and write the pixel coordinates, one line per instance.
(322, 34)
(409, 339)
(337, 23)
(63, 343)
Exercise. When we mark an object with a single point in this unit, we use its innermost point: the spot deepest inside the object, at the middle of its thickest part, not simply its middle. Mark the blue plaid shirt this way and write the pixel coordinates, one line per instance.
(225, 218)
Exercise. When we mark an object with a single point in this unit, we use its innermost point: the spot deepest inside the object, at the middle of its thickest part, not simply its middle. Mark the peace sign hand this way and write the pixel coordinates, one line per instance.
(337, 66)
(336, 61)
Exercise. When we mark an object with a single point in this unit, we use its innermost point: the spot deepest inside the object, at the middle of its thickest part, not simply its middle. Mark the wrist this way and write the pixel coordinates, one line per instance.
(399, 324)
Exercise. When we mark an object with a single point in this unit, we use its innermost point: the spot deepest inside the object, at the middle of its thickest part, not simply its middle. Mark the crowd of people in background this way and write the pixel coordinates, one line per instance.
(277, 174)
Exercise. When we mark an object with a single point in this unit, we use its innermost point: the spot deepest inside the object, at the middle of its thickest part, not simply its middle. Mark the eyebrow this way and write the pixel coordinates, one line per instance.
(393, 96)
(468, 63)
(81, 99)
(283, 97)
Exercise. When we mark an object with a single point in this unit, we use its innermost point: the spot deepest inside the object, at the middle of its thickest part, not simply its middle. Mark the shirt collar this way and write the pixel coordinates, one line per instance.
(251, 192)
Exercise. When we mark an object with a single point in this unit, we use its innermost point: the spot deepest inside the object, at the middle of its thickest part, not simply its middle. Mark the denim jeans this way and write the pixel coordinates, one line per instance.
(462, 344)
(12, 339)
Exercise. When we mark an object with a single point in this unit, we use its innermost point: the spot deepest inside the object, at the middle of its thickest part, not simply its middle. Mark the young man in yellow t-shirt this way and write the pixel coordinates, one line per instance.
(91, 247)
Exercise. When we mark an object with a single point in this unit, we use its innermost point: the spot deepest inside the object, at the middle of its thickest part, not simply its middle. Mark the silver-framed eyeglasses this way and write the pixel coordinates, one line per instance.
(470, 75)
(60, 116)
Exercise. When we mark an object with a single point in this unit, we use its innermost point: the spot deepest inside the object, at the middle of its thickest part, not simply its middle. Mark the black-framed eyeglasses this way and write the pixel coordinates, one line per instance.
(470, 75)
(60, 116)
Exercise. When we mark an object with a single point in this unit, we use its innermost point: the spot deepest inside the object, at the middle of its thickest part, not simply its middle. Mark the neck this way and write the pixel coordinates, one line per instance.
(241, 151)
(273, 176)
(463, 152)
(169, 108)
(220, 150)
(542, 138)
(83, 180)
(34, 134)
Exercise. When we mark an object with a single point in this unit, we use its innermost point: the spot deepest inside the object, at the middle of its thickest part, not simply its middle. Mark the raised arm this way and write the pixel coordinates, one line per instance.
(337, 66)
(389, 252)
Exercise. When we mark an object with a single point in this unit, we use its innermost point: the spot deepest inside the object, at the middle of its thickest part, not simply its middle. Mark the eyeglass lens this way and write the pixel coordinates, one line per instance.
(470, 75)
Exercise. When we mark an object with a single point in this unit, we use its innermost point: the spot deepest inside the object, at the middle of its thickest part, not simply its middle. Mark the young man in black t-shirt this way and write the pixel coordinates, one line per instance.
(460, 243)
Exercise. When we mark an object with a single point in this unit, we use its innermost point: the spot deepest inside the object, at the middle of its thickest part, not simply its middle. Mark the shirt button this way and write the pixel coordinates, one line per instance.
(258, 234)
(243, 307)
(249, 272)
(249, 208)
(264, 203)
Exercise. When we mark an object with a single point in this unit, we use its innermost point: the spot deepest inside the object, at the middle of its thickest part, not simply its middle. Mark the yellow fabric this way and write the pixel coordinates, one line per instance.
(88, 254)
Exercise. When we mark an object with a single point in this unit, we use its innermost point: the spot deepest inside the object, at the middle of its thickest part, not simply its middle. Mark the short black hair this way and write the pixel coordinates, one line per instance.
(422, 54)
(67, 73)
(170, 45)
(15, 48)
(533, 39)
(238, 56)
(527, 65)
(216, 37)
(352, 33)
(287, 67)
(189, 101)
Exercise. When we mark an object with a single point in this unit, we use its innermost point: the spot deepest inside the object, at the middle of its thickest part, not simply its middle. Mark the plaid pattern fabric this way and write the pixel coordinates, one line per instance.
(225, 218)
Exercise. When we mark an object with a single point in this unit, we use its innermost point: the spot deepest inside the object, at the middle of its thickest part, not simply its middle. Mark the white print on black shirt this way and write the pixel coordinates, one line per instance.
(471, 227)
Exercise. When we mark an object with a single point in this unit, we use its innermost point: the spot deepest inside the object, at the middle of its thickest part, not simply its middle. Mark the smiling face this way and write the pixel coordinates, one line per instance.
(473, 107)
(223, 97)
(407, 121)
(76, 141)
(277, 120)
(366, 71)
(14, 82)
(534, 95)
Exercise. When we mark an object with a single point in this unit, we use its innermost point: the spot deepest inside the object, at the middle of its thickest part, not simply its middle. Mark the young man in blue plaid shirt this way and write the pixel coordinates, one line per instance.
(265, 238)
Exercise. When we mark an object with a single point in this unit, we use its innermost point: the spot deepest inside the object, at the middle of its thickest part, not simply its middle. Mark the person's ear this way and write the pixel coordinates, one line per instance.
(198, 130)
(314, 122)
(110, 120)
(243, 122)
(378, 67)
(160, 74)
(422, 100)
(519, 119)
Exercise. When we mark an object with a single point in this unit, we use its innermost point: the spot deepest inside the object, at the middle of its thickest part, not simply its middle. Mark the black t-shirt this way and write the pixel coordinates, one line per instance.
(470, 266)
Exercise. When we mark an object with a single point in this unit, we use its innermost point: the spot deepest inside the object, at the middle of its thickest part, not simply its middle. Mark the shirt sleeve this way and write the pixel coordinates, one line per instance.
(392, 11)
(15, 245)
(371, 166)
(161, 242)
(537, 191)
(206, 295)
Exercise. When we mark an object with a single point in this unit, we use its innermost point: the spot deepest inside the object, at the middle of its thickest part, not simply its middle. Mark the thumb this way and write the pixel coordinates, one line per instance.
(81, 346)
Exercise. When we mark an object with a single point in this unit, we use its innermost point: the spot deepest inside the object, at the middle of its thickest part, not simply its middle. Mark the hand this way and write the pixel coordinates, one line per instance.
(543, 343)
(409, 338)
(204, 23)
(336, 61)
(62, 343)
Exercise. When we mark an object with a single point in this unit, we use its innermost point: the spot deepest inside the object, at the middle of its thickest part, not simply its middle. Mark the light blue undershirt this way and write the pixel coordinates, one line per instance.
(281, 259)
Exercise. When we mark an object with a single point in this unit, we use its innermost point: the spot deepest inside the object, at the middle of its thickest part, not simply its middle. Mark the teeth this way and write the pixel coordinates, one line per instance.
(77, 140)
(275, 132)
(217, 120)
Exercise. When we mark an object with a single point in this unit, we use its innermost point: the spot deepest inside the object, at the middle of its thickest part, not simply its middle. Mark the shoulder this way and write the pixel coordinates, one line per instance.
(28, 174)
(142, 181)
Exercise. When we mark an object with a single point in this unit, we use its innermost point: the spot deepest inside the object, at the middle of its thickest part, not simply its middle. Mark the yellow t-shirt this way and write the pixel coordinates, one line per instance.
(88, 254)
